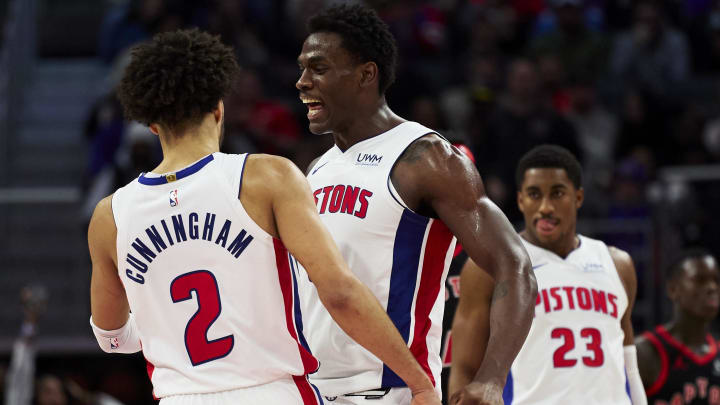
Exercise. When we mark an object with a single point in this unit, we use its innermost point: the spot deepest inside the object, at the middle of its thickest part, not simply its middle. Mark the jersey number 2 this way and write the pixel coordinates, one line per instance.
(199, 348)
(594, 345)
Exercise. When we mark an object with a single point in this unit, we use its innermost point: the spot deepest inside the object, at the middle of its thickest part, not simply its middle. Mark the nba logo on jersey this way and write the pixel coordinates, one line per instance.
(173, 198)
(114, 343)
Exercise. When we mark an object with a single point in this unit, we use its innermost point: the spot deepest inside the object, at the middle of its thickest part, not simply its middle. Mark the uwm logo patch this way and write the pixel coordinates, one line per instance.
(367, 159)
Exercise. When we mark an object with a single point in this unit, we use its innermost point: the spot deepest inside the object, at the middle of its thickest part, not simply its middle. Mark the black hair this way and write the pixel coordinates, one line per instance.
(550, 157)
(678, 261)
(364, 35)
(177, 78)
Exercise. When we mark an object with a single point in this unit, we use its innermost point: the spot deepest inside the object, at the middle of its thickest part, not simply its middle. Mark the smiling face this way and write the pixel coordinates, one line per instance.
(549, 202)
(329, 82)
(695, 290)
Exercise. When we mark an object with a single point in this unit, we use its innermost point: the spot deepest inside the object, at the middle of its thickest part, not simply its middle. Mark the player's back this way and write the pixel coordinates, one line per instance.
(574, 350)
(213, 294)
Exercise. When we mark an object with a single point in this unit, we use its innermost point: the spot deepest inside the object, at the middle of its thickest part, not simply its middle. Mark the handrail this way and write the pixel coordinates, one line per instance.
(17, 57)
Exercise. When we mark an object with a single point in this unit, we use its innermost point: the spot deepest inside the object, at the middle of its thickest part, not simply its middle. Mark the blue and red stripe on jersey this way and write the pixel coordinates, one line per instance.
(293, 316)
(413, 253)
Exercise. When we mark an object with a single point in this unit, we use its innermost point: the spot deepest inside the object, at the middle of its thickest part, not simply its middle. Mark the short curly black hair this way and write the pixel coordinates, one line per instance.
(677, 262)
(550, 157)
(364, 35)
(177, 78)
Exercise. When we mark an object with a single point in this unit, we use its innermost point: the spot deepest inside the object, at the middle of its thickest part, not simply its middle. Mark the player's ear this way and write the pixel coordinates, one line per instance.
(520, 205)
(219, 112)
(154, 129)
(580, 197)
(368, 74)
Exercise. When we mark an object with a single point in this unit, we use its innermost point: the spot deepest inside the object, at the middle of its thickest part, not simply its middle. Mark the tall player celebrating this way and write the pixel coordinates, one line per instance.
(581, 332)
(393, 193)
(197, 250)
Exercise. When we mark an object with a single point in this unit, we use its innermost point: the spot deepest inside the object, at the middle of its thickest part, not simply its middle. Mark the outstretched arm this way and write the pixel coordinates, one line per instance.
(349, 302)
(435, 178)
(626, 271)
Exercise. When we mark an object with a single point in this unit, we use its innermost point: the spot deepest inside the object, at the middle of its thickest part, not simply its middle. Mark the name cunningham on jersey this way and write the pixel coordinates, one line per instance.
(175, 226)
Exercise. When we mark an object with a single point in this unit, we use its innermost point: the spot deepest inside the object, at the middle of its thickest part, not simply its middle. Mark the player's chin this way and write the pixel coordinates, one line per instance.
(319, 128)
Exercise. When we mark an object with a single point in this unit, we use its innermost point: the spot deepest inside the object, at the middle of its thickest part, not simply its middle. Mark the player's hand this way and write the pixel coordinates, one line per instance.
(425, 398)
(479, 393)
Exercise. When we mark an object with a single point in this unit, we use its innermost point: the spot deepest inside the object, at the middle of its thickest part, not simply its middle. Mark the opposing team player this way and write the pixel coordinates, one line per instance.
(198, 250)
(679, 361)
(580, 346)
(393, 193)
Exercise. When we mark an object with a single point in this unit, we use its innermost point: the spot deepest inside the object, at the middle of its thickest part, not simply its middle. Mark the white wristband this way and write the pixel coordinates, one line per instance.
(637, 391)
(123, 340)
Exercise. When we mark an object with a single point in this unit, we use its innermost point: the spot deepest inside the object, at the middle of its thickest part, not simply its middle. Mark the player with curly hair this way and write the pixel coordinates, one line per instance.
(194, 263)
(394, 195)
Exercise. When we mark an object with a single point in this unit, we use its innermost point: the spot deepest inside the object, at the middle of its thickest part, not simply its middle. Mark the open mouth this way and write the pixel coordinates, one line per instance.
(315, 107)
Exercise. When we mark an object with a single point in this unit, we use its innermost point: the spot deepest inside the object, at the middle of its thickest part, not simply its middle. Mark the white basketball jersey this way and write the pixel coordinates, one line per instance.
(214, 296)
(401, 256)
(574, 351)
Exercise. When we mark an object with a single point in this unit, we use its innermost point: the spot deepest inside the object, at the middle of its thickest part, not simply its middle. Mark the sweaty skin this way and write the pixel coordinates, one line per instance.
(434, 179)
(277, 197)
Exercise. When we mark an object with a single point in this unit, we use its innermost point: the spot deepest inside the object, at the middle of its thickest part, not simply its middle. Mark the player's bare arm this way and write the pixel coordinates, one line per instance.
(471, 325)
(111, 320)
(108, 303)
(294, 220)
(437, 180)
(626, 271)
(648, 361)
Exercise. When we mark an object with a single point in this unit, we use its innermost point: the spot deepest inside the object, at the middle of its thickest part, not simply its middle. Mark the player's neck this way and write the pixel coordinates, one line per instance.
(181, 151)
(688, 329)
(377, 120)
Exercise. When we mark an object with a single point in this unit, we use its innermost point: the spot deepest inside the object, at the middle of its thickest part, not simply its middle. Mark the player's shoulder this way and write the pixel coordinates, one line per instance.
(102, 220)
(620, 257)
(267, 172)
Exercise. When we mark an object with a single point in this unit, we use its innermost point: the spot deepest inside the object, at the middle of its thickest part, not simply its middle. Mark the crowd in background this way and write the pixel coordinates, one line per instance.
(627, 85)
(630, 86)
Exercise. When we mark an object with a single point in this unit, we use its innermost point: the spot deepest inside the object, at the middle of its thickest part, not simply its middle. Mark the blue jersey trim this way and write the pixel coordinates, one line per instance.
(627, 386)
(406, 261)
(242, 173)
(296, 306)
(508, 391)
(156, 181)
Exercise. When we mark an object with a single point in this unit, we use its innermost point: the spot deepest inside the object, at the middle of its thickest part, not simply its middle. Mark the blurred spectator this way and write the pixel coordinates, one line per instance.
(597, 131)
(652, 55)
(229, 19)
(629, 199)
(22, 388)
(577, 48)
(132, 22)
(520, 122)
(641, 128)
(426, 111)
(269, 125)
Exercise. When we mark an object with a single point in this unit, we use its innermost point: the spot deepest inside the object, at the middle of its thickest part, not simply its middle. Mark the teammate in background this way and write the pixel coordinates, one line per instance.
(581, 332)
(679, 361)
(393, 193)
(191, 262)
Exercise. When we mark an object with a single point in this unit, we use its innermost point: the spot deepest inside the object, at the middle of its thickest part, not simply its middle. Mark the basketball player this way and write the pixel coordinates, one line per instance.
(580, 345)
(191, 262)
(679, 361)
(393, 193)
